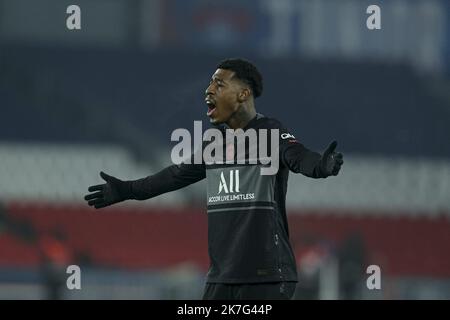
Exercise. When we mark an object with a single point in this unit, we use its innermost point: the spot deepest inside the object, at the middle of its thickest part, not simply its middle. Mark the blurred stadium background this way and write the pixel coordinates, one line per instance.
(108, 96)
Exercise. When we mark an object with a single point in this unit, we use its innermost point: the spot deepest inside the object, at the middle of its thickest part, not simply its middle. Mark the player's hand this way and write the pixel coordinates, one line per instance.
(113, 191)
(331, 161)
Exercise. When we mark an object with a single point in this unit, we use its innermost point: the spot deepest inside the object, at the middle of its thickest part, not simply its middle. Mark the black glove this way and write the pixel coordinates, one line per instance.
(331, 161)
(113, 191)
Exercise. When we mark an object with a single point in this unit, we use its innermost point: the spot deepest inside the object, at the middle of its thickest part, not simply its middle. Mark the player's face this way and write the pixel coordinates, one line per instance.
(222, 96)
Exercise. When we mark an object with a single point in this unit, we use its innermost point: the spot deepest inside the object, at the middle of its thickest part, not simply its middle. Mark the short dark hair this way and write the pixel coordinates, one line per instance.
(245, 71)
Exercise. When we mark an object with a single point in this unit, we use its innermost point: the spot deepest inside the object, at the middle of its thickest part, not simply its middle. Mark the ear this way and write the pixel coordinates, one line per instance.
(243, 95)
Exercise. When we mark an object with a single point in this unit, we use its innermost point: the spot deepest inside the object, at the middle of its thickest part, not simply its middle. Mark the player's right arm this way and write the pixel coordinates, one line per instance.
(169, 179)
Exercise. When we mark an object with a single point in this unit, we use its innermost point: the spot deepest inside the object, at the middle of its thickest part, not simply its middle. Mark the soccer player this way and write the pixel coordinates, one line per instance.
(248, 238)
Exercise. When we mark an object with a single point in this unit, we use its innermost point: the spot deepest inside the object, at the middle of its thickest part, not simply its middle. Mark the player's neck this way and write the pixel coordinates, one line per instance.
(241, 118)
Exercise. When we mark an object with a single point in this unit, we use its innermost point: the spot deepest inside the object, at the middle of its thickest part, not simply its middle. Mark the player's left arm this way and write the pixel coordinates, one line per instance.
(300, 159)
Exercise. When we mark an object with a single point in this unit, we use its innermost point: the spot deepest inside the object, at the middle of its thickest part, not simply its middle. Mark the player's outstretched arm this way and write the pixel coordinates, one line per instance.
(169, 179)
(300, 159)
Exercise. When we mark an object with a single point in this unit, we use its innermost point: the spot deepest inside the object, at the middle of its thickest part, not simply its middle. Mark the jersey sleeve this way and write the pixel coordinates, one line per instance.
(294, 155)
(171, 178)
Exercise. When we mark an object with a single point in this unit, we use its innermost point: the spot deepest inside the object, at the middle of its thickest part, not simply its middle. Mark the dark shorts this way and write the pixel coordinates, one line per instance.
(250, 291)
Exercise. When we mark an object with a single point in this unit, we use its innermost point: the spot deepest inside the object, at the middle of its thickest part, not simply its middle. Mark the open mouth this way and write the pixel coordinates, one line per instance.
(211, 108)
